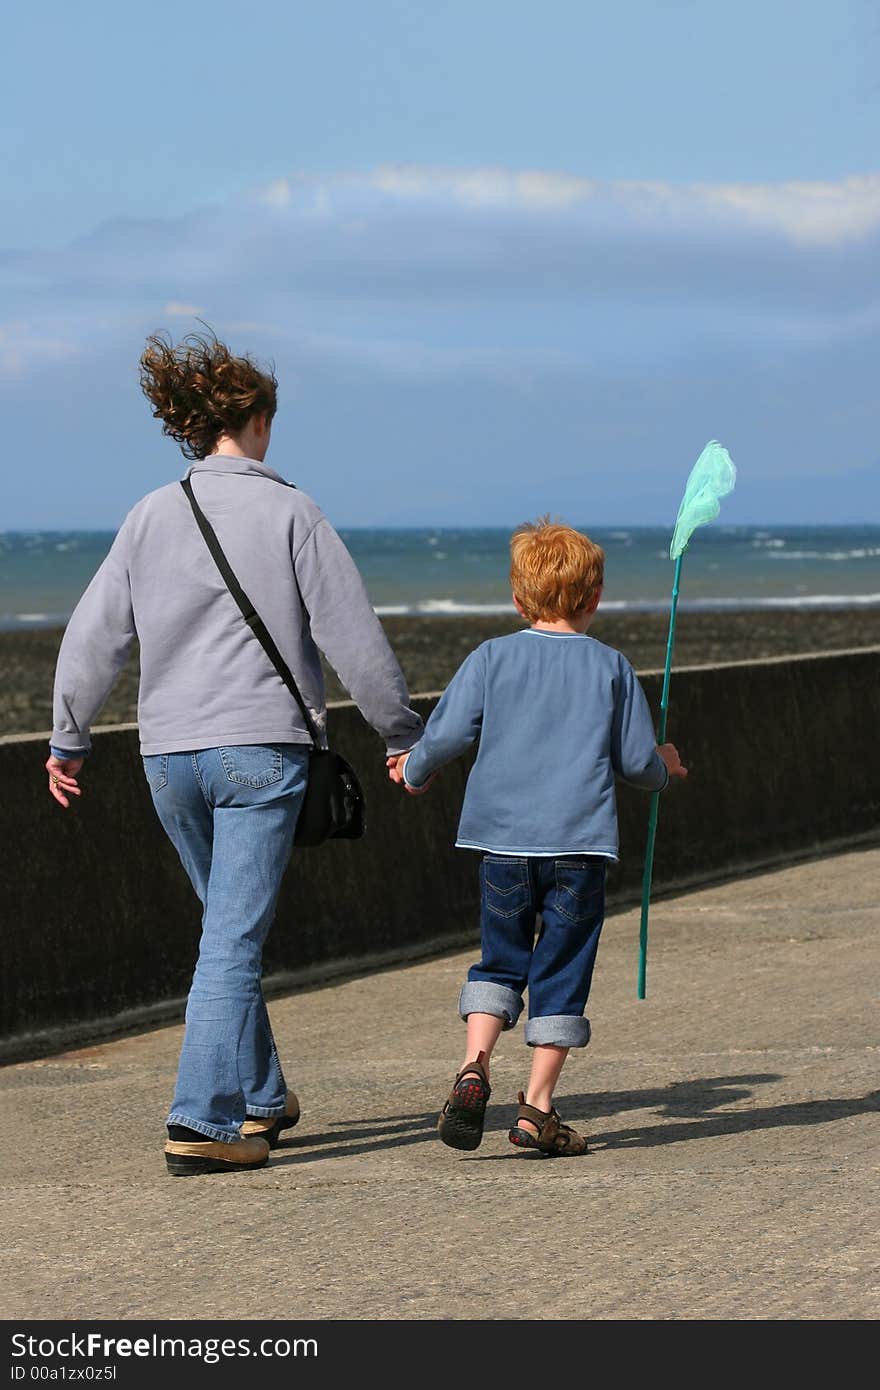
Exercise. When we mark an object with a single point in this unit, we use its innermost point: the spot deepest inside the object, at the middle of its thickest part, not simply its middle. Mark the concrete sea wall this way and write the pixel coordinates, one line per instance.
(99, 925)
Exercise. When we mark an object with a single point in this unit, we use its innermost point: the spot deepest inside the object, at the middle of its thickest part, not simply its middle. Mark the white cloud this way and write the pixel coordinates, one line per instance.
(823, 214)
(427, 272)
(809, 213)
(277, 193)
(483, 187)
(24, 348)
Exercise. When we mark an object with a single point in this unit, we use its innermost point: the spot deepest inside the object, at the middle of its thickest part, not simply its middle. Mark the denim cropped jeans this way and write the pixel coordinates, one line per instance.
(231, 814)
(557, 969)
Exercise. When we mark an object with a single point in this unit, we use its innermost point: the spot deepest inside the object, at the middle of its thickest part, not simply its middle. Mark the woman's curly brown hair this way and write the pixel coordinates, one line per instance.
(200, 391)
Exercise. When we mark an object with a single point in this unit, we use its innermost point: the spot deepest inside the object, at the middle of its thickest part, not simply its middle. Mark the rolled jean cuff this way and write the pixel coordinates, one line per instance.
(267, 1112)
(485, 997)
(223, 1136)
(562, 1030)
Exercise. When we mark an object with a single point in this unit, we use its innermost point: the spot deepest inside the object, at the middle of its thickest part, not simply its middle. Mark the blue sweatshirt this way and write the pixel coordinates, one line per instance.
(558, 716)
(205, 679)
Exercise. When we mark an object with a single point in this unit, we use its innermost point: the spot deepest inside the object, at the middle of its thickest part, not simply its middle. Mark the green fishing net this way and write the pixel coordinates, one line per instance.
(712, 477)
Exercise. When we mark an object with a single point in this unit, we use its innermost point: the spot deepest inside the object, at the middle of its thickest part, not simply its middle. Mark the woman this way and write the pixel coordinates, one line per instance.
(224, 745)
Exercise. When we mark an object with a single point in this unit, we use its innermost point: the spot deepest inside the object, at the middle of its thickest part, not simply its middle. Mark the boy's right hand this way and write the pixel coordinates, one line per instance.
(395, 763)
(674, 766)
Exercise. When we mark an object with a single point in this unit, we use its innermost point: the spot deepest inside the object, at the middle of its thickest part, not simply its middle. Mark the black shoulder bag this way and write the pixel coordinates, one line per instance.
(334, 806)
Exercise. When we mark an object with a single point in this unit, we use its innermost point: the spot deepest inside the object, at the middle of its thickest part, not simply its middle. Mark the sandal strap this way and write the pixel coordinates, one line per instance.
(560, 1137)
(537, 1117)
(471, 1069)
(475, 1069)
(531, 1112)
(552, 1133)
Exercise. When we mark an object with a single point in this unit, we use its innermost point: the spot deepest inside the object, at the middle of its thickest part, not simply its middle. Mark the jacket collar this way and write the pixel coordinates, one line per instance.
(231, 463)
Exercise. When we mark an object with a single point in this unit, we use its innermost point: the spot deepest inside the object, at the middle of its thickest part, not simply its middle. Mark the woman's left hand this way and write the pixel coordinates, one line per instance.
(62, 778)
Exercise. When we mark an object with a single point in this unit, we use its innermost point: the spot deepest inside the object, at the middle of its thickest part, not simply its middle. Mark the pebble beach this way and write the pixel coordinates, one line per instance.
(430, 649)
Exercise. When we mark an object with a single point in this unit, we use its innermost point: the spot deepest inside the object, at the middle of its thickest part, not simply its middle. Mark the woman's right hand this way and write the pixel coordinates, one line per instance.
(62, 778)
(395, 763)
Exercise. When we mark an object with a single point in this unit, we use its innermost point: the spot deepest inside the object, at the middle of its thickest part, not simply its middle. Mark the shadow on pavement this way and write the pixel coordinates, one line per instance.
(805, 1112)
(696, 1101)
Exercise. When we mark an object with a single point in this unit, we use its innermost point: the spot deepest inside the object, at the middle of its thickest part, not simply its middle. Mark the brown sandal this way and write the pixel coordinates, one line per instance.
(461, 1122)
(553, 1136)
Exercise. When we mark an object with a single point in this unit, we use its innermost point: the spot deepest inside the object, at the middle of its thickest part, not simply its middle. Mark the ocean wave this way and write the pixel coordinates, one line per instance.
(865, 553)
(10, 621)
(743, 602)
(451, 608)
(447, 607)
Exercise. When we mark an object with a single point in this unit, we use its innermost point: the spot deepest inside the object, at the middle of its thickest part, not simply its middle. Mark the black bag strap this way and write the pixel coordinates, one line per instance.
(249, 613)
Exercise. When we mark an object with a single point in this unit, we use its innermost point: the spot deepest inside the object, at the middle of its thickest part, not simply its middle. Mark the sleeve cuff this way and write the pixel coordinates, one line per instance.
(64, 753)
(408, 782)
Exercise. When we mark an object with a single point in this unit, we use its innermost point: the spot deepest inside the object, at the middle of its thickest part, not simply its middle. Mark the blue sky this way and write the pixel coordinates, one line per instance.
(506, 259)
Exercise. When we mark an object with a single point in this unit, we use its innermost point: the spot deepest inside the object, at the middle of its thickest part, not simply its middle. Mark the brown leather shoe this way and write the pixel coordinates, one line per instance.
(269, 1127)
(185, 1158)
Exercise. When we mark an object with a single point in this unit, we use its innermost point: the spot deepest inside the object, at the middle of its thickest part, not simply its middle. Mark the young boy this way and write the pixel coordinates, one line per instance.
(558, 716)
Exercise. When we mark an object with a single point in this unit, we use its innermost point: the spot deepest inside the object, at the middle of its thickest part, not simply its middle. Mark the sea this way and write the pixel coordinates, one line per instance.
(444, 571)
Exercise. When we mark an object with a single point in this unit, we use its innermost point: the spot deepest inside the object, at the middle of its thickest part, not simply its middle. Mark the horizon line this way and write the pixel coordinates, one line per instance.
(481, 526)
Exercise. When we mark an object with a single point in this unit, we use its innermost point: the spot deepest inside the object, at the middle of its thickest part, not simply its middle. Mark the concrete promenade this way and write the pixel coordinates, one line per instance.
(733, 1172)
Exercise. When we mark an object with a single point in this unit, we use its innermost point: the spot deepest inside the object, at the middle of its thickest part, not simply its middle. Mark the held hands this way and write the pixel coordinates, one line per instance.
(395, 762)
(62, 778)
(674, 766)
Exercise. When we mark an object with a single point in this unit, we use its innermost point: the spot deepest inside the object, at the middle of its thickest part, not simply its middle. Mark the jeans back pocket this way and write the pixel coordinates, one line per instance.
(506, 886)
(580, 889)
(156, 769)
(252, 764)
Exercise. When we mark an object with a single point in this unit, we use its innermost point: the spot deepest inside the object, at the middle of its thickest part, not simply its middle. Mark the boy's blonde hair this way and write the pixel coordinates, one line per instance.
(554, 570)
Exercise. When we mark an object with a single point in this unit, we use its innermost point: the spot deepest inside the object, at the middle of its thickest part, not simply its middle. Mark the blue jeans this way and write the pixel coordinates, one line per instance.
(557, 968)
(231, 814)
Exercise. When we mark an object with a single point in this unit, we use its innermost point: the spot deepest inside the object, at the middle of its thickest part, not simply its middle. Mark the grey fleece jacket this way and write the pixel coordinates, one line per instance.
(205, 679)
